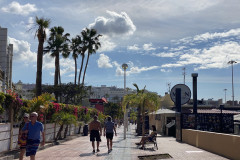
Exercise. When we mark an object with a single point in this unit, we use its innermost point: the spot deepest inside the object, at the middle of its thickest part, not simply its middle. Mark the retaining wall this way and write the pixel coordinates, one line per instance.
(226, 145)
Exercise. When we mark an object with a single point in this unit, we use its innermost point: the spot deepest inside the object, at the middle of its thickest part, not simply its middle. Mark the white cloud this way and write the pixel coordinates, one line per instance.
(214, 57)
(132, 69)
(165, 54)
(165, 48)
(165, 70)
(66, 65)
(30, 22)
(117, 24)
(104, 61)
(106, 44)
(48, 62)
(209, 36)
(22, 52)
(142, 69)
(148, 47)
(134, 47)
(19, 9)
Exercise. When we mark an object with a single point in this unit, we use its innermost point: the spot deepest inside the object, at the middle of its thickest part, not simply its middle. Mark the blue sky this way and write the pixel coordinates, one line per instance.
(156, 38)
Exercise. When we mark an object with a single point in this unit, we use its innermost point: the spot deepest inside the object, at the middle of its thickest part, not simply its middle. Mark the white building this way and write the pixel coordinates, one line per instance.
(6, 54)
(25, 91)
(112, 94)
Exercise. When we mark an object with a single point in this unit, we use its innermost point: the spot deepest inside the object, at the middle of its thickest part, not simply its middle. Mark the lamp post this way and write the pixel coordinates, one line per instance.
(232, 62)
(125, 66)
(225, 90)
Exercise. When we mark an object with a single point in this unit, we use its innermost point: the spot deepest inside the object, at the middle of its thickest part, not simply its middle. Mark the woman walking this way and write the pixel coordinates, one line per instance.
(22, 137)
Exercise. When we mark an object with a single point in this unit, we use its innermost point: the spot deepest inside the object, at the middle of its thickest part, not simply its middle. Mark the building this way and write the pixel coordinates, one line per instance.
(112, 94)
(24, 91)
(6, 55)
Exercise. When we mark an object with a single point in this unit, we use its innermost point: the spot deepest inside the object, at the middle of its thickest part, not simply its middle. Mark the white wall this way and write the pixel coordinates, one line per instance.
(49, 135)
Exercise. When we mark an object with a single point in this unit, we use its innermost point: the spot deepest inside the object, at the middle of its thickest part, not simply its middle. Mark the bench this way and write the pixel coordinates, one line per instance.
(153, 141)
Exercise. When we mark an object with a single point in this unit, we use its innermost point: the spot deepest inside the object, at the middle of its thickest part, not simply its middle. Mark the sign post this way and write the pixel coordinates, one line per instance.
(180, 94)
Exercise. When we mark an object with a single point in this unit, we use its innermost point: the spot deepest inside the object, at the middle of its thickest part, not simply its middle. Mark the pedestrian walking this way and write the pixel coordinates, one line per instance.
(33, 130)
(95, 133)
(22, 137)
(108, 132)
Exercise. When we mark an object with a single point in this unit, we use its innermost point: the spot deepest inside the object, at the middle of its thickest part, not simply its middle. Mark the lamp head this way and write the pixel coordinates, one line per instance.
(124, 66)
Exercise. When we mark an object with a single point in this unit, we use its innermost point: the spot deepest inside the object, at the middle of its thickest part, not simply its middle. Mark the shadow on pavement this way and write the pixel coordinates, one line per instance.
(86, 154)
(102, 154)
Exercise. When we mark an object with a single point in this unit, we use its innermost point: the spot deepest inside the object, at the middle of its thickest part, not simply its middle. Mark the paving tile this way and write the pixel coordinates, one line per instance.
(81, 148)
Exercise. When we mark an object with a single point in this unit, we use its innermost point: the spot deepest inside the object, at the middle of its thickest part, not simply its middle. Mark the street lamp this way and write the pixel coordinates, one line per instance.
(232, 62)
(225, 90)
(125, 66)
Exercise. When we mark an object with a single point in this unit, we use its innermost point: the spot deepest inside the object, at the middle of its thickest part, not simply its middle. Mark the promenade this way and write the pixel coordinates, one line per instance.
(80, 148)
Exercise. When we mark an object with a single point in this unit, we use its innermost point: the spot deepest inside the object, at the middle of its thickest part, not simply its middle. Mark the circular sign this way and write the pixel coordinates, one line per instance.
(185, 93)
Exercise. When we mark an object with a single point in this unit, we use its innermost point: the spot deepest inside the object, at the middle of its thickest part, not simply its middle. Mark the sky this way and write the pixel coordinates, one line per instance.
(156, 38)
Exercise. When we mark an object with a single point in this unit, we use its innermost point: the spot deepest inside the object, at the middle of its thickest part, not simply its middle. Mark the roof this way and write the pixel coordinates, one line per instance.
(237, 117)
(163, 111)
(210, 111)
(98, 100)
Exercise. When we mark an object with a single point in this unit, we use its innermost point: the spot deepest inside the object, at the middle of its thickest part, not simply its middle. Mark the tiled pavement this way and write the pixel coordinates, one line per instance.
(80, 148)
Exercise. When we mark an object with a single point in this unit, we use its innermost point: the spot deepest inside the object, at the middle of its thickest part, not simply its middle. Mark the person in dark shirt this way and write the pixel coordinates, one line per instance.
(108, 132)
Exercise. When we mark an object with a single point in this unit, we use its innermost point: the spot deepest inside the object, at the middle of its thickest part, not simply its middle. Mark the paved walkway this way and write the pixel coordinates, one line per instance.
(80, 148)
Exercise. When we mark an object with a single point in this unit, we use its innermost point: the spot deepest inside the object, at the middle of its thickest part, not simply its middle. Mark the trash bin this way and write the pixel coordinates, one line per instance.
(85, 130)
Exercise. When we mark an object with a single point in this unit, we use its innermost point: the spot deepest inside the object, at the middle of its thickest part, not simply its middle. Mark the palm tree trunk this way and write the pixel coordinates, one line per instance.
(59, 133)
(75, 78)
(143, 123)
(59, 76)
(56, 76)
(139, 120)
(65, 132)
(80, 71)
(85, 69)
(39, 67)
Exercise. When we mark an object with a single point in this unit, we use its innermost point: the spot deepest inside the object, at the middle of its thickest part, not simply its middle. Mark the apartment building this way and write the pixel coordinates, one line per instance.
(6, 57)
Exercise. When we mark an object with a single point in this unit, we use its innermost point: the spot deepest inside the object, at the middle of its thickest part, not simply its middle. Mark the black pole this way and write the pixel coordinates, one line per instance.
(194, 75)
(178, 109)
(178, 99)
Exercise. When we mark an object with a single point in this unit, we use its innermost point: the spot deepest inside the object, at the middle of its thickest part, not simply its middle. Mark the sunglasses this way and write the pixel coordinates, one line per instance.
(32, 116)
(25, 117)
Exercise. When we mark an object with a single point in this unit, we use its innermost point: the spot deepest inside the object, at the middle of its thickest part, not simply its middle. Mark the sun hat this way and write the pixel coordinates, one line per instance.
(26, 115)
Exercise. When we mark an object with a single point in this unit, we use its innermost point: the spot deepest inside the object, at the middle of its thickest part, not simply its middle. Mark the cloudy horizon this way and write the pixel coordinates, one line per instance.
(155, 38)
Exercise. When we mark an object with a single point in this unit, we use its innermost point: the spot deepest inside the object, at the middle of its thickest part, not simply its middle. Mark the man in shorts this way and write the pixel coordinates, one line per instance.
(95, 133)
(33, 130)
(108, 132)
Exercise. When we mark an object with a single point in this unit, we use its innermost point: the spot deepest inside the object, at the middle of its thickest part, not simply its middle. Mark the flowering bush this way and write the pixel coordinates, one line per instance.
(45, 107)
(2, 99)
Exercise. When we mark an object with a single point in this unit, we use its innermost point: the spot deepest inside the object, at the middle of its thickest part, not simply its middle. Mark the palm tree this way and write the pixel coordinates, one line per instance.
(62, 119)
(91, 42)
(42, 25)
(58, 43)
(76, 47)
(144, 101)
